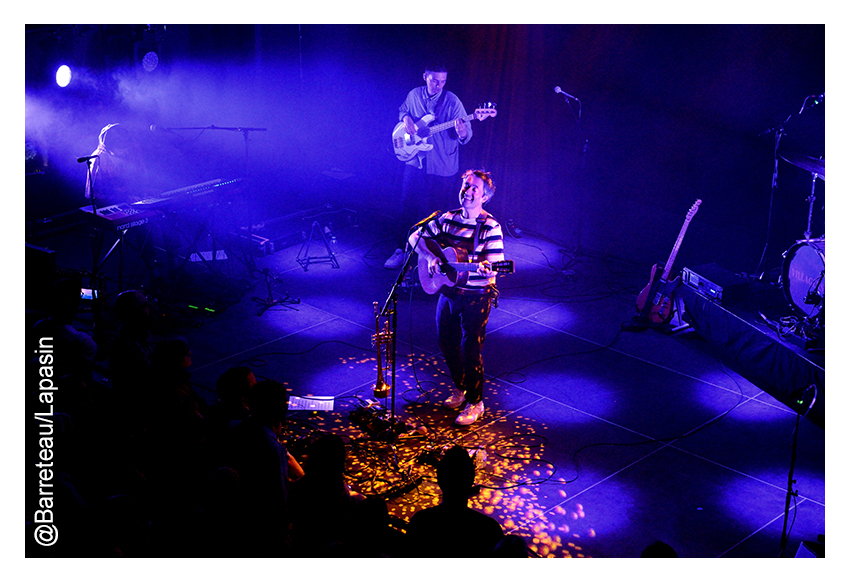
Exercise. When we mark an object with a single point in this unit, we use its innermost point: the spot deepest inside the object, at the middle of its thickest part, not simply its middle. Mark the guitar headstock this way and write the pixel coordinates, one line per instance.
(485, 110)
(502, 267)
(694, 209)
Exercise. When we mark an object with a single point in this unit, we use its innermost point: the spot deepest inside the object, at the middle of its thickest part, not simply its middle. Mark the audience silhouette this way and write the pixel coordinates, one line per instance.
(256, 452)
(323, 506)
(188, 478)
(452, 529)
(659, 549)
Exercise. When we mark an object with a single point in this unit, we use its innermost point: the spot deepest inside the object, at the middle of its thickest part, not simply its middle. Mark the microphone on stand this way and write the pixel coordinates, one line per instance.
(568, 96)
(426, 220)
(558, 90)
(86, 158)
(158, 128)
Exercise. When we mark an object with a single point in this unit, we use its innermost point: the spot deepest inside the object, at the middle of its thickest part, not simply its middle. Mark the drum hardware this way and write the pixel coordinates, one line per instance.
(817, 168)
(811, 165)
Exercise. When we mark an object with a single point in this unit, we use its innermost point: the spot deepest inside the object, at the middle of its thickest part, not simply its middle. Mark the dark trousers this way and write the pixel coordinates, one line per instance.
(461, 327)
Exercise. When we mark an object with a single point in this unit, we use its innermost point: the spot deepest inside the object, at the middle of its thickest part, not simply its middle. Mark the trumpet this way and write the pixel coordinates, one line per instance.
(381, 338)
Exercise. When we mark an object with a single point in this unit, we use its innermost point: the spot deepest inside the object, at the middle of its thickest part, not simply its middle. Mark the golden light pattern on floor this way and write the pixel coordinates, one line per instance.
(518, 487)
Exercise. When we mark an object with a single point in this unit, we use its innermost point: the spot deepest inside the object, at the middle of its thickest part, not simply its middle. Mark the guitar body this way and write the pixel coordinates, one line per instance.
(655, 301)
(455, 267)
(408, 146)
(446, 277)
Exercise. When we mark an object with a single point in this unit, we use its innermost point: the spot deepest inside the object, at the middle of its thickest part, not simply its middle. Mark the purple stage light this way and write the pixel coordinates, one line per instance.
(150, 61)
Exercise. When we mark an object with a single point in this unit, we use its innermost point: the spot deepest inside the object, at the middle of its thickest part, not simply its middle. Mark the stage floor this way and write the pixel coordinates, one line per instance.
(596, 441)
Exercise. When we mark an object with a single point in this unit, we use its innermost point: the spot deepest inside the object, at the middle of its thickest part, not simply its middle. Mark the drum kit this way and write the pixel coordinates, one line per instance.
(803, 276)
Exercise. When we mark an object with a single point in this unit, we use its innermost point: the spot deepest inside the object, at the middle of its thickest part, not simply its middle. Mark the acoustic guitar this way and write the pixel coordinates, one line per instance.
(654, 302)
(454, 268)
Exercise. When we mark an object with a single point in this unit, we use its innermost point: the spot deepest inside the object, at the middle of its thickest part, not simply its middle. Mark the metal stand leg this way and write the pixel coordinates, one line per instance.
(678, 323)
(270, 301)
(303, 257)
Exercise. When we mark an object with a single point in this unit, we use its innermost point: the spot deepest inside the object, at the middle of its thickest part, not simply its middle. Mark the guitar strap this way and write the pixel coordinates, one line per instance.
(482, 218)
(476, 239)
(423, 159)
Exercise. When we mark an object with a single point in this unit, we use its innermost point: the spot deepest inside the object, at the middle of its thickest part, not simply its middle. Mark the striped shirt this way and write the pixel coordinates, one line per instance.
(452, 229)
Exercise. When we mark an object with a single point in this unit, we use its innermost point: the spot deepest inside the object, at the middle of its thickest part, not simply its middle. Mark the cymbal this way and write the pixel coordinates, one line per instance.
(811, 165)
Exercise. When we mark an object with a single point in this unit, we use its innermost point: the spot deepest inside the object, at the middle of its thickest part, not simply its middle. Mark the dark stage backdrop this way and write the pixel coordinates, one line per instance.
(664, 115)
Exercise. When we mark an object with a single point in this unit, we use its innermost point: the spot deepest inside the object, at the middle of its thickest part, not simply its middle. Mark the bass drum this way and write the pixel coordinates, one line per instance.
(804, 276)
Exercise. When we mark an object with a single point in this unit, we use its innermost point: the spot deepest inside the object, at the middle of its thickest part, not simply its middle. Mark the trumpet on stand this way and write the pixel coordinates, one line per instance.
(384, 341)
(385, 335)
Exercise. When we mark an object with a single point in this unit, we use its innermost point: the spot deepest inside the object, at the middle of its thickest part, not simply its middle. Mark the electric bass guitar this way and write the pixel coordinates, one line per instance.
(655, 302)
(408, 146)
(454, 267)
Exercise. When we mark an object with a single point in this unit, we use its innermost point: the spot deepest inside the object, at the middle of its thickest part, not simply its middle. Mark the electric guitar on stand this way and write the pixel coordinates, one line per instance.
(454, 268)
(655, 301)
(408, 146)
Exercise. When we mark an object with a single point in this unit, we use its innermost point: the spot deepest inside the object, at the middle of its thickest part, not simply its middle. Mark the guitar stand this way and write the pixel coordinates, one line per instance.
(270, 301)
(303, 257)
(675, 325)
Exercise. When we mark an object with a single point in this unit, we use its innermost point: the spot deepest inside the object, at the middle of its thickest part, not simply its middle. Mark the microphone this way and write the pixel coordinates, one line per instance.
(426, 220)
(815, 100)
(86, 158)
(558, 90)
(157, 128)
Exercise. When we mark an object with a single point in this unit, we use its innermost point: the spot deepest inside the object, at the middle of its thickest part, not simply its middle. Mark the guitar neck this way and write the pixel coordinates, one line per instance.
(463, 266)
(665, 276)
(669, 265)
(444, 126)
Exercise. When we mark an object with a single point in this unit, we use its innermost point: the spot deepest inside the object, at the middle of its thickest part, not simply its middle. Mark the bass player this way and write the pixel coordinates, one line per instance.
(430, 172)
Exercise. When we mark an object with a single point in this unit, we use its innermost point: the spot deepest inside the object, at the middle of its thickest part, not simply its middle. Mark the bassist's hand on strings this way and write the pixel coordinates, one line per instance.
(409, 125)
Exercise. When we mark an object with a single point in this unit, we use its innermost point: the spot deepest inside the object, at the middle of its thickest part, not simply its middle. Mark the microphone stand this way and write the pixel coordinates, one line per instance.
(778, 131)
(791, 481)
(390, 310)
(96, 237)
(249, 261)
(577, 252)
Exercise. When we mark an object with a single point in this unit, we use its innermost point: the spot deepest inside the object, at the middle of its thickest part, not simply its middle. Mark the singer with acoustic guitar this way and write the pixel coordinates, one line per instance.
(473, 237)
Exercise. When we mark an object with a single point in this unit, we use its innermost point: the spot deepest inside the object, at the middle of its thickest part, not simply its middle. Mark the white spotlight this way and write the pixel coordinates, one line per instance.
(63, 76)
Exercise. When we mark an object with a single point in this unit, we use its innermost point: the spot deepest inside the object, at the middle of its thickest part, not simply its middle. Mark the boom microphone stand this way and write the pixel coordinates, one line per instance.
(569, 99)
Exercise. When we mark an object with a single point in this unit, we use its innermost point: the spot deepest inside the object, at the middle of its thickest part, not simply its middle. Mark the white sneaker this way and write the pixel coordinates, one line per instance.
(470, 414)
(455, 400)
(395, 261)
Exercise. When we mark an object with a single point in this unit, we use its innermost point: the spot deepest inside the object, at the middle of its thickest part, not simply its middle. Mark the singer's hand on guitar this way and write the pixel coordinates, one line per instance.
(484, 269)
